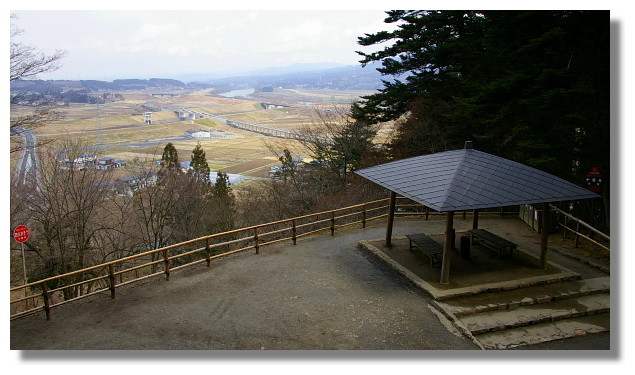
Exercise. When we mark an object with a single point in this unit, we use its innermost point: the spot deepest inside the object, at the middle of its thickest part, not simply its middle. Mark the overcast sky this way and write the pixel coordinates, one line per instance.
(107, 45)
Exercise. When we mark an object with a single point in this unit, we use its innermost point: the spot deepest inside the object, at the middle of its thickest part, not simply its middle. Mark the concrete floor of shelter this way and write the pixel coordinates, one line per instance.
(483, 270)
(484, 265)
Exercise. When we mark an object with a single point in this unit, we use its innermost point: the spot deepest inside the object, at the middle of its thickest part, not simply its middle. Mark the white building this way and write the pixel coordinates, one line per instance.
(214, 133)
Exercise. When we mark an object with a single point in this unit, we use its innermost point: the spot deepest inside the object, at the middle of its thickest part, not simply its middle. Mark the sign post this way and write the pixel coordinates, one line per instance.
(21, 233)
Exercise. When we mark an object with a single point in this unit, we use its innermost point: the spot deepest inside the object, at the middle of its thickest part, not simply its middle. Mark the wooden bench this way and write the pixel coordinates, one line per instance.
(492, 241)
(427, 246)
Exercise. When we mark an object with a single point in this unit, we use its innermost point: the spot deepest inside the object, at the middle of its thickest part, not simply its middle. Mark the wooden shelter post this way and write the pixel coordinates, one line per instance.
(447, 248)
(391, 217)
(475, 219)
(544, 236)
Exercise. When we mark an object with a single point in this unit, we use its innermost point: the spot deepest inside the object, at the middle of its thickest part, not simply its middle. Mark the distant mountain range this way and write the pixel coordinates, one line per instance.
(307, 76)
(276, 70)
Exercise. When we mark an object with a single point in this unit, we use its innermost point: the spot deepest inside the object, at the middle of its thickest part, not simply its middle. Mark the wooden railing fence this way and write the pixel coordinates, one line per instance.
(45, 294)
(565, 220)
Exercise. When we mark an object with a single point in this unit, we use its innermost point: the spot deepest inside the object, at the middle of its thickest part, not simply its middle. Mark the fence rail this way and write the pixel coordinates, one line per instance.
(107, 277)
(579, 224)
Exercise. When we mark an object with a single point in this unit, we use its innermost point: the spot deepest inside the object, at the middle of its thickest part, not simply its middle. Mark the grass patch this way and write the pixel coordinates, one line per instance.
(93, 123)
(216, 167)
(207, 122)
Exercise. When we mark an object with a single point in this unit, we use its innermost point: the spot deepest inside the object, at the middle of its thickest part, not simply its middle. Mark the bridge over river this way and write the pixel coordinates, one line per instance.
(265, 130)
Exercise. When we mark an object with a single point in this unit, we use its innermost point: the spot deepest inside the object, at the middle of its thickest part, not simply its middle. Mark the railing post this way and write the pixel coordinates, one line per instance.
(427, 212)
(332, 223)
(256, 240)
(111, 277)
(294, 232)
(166, 260)
(364, 216)
(564, 228)
(207, 252)
(577, 230)
(47, 303)
(26, 301)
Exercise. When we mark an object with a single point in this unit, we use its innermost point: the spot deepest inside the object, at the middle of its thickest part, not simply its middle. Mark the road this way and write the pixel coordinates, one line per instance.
(26, 168)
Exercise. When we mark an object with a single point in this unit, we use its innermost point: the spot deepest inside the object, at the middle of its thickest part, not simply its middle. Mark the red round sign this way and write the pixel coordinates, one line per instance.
(21, 233)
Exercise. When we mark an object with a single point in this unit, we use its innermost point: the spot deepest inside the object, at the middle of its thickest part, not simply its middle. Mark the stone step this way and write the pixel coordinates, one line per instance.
(533, 295)
(489, 321)
(544, 332)
(495, 287)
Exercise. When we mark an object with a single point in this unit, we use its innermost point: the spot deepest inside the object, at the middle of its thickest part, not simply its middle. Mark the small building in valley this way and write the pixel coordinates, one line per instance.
(128, 185)
(109, 163)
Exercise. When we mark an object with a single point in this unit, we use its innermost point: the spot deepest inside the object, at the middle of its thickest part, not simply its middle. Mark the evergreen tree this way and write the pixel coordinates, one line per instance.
(170, 158)
(429, 55)
(221, 187)
(223, 205)
(199, 165)
(531, 86)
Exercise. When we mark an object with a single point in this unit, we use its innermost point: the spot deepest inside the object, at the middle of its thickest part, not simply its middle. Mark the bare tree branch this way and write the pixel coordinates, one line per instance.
(26, 62)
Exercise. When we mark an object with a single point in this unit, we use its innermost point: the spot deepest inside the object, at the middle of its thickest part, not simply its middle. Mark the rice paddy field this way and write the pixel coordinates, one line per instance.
(118, 129)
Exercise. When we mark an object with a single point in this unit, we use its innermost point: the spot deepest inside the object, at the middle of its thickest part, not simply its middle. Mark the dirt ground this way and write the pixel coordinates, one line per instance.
(321, 294)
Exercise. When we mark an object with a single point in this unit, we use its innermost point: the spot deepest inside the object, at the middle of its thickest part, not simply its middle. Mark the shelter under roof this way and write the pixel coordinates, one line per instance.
(469, 179)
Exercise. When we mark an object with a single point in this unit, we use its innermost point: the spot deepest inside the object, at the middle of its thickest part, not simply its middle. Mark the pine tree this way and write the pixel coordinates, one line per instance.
(222, 204)
(221, 187)
(170, 158)
(199, 165)
(531, 86)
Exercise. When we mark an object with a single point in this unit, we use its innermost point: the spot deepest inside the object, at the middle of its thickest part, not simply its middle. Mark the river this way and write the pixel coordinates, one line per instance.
(238, 93)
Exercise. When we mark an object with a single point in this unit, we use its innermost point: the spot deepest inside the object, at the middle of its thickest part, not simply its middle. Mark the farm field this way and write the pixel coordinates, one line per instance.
(118, 129)
(312, 97)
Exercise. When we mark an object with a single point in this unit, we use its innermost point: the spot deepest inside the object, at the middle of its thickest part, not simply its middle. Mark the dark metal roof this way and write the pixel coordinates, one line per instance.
(468, 179)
